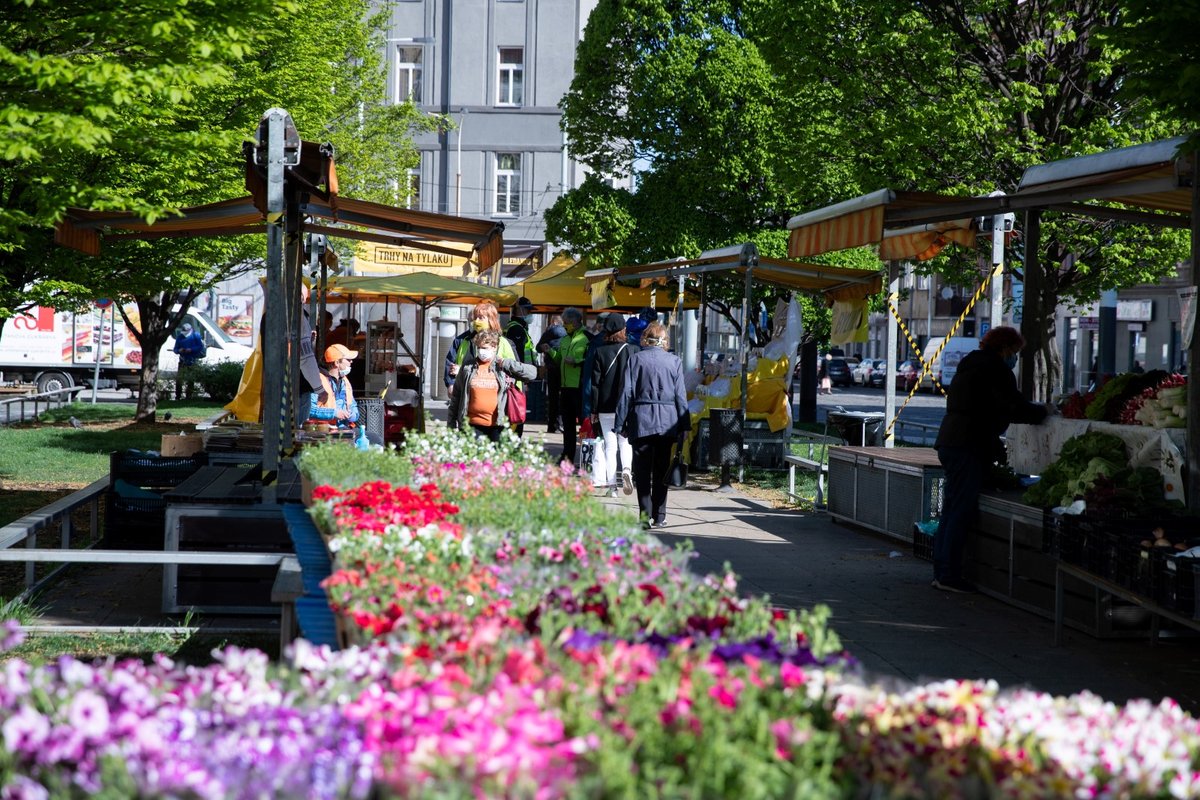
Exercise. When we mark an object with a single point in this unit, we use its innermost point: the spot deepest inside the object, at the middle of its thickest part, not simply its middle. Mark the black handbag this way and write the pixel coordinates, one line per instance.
(677, 477)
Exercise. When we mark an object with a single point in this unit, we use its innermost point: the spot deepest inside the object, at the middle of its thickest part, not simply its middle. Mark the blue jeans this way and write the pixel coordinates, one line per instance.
(965, 469)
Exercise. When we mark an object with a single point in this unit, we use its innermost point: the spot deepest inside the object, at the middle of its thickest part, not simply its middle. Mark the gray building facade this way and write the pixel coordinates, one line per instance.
(497, 69)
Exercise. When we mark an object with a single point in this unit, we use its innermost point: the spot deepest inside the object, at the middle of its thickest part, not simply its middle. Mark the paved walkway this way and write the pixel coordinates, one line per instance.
(884, 609)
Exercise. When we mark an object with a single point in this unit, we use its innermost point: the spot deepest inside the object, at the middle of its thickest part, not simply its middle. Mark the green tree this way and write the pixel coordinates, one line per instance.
(77, 79)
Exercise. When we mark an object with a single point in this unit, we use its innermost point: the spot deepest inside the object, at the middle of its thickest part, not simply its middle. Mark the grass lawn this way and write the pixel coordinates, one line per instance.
(51, 455)
(48, 459)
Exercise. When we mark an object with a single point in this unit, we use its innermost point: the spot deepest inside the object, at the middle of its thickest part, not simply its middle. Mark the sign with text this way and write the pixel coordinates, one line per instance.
(235, 316)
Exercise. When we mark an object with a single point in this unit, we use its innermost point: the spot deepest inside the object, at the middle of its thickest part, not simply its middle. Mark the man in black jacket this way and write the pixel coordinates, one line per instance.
(982, 401)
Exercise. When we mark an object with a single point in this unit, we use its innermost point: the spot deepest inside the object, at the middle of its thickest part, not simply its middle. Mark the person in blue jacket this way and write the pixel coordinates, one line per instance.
(652, 412)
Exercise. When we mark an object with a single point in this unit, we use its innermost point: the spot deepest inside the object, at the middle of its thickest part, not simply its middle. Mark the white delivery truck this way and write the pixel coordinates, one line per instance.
(58, 349)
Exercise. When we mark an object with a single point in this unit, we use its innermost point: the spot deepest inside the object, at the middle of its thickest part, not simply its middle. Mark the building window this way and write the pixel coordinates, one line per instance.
(508, 184)
(510, 88)
(409, 70)
(412, 199)
(923, 282)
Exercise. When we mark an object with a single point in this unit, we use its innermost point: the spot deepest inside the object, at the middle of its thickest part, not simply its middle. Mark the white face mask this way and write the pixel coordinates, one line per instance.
(343, 372)
(487, 353)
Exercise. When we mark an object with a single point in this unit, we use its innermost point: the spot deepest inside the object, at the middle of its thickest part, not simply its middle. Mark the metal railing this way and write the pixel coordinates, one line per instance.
(58, 513)
(919, 433)
(53, 399)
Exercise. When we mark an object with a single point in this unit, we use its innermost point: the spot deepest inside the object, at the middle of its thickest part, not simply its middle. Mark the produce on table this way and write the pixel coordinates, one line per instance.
(1111, 398)
(1161, 406)
(1095, 466)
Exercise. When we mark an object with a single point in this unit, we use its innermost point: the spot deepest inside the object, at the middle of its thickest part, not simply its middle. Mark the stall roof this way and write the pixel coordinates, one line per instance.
(83, 230)
(556, 286)
(873, 219)
(423, 288)
(833, 282)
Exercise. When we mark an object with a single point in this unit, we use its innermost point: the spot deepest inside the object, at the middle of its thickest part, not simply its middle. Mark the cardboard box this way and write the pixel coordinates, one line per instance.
(183, 444)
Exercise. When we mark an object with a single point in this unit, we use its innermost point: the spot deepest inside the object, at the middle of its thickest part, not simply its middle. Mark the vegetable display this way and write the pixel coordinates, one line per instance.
(1095, 466)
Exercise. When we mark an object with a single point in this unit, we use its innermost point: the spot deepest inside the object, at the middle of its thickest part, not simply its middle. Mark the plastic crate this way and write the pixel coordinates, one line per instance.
(922, 543)
(134, 523)
(150, 471)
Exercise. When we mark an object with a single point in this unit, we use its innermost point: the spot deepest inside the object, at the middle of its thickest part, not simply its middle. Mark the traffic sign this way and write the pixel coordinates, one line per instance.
(104, 302)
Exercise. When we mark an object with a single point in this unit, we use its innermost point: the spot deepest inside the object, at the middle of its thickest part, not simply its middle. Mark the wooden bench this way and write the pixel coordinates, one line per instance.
(814, 460)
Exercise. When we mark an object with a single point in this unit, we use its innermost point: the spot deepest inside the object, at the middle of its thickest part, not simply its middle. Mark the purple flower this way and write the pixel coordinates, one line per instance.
(11, 635)
(25, 731)
(88, 715)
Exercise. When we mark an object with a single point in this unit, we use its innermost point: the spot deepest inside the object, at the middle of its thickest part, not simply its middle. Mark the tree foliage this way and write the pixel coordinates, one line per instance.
(176, 141)
(738, 115)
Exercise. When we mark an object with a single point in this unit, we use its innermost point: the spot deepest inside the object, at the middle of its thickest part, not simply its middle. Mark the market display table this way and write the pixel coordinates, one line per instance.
(1032, 448)
(233, 484)
(885, 489)
(1106, 586)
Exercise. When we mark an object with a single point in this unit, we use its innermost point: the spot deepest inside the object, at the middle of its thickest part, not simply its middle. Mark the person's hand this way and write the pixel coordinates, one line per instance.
(543, 348)
(454, 370)
(342, 413)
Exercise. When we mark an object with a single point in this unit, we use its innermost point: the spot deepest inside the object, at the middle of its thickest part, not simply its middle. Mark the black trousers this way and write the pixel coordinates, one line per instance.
(553, 390)
(491, 432)
(651, 465)
(966, 470)
(569, 402)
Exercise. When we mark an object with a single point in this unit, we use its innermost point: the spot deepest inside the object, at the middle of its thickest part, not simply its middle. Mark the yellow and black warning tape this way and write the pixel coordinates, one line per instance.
(927, 368)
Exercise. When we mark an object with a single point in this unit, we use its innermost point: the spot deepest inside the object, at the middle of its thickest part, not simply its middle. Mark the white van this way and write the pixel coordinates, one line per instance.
(946, 363)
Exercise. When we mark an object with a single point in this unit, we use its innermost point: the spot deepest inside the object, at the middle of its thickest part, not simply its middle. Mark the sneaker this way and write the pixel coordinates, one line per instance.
(955, 585)
(626, 481)
(661, 522)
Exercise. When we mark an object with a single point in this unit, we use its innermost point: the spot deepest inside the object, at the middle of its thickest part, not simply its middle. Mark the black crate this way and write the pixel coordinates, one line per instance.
(133, 523)
(147, 471)
(1175, 582)
(922, 544)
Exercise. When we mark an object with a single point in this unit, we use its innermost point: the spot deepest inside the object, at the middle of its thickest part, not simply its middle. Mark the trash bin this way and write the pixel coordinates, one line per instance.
(725, 437)
(371, 417)
(858, 428)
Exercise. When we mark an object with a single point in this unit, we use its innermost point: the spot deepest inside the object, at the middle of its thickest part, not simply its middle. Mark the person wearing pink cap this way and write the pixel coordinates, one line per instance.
(334, 402)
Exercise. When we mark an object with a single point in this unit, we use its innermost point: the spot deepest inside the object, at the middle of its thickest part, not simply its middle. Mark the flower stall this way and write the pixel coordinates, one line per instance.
(512, 637)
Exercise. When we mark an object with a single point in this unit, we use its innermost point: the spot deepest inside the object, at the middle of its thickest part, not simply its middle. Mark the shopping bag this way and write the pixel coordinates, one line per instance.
(600, 476)
(587, 454)
(677, 477)
(517, 404)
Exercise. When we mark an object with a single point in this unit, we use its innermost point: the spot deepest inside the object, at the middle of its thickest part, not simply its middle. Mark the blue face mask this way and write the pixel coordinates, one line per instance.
(1011, 361)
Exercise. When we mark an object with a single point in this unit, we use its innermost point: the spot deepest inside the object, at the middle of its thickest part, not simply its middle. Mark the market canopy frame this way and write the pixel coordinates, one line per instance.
(291, 183)
(565, 283)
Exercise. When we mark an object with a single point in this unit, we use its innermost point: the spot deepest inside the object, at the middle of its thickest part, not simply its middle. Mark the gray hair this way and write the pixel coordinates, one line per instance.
(573, 315)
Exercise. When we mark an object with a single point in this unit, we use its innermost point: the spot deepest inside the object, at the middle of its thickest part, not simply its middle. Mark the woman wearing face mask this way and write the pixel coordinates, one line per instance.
(983, 399)
(334, 401)
(480, 396)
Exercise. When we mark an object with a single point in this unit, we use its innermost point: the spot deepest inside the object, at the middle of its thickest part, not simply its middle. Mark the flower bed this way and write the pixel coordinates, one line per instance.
(520, 640)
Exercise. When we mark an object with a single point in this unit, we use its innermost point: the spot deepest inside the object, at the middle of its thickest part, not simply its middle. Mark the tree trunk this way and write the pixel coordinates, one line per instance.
(158, 317)
(147, 405)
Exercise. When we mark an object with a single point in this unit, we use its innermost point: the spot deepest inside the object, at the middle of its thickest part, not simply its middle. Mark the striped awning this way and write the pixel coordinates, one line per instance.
(865, 221)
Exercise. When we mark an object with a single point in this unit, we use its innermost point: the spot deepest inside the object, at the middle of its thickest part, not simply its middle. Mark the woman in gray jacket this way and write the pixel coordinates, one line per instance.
(652, 411)
(481, 387)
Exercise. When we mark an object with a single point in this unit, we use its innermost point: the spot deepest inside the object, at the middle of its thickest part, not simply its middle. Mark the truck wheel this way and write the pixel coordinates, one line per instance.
(53, 381)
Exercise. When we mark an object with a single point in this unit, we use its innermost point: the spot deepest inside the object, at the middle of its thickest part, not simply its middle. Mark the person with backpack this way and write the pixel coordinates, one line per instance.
(550, 338)
(608, 374)
(190, 347)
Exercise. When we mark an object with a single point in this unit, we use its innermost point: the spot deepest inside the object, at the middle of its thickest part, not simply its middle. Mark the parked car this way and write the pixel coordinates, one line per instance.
(840, 373)
(878, 373)
(907, 373)
(861, 372)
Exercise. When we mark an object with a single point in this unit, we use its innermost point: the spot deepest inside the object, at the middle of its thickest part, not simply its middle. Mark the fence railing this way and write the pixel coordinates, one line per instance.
(27, 528)
(53, 399)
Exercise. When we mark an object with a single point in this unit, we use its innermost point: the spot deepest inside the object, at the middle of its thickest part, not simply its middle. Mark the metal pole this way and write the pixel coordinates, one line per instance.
(99, 350)
(997, 287)
(893, 339)
(462, 122)
(1108, 332)
(273, 344)
(1031, 314)
(1193, 358)
(751, 261)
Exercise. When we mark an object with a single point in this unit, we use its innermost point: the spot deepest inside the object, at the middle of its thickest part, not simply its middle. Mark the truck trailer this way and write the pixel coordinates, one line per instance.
(59, 349)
